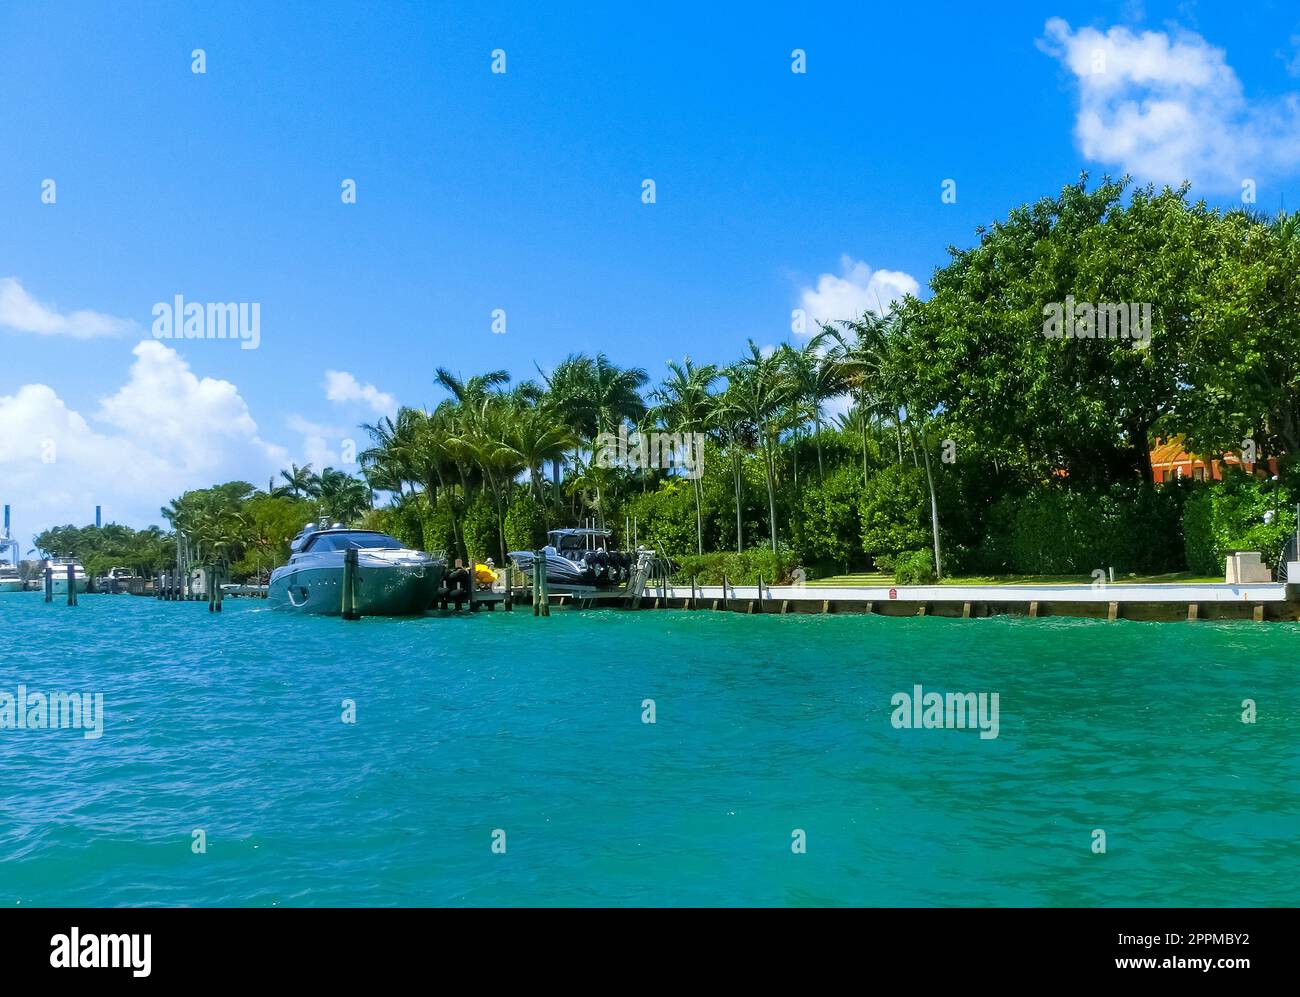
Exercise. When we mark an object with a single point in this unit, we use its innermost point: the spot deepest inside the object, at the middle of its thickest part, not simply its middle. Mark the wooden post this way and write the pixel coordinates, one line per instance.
(510, 586)
(965, 610)
(1033, 610)
(546, 591)
(1112, 612)
(537, 583)
(349, 606)
(212, 594)
(72, 585)
(157, 584)
(760, 593)
(726, 603)
(220, 595)
(693, 605)
(49, 584)
(1193, 611)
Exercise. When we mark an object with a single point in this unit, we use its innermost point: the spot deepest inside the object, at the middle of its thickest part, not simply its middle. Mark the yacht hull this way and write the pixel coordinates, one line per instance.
(60, 585)
(391, 590)
(11, 586)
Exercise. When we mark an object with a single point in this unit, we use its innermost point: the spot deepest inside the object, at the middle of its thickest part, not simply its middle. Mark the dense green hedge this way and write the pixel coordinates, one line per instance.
(894, 511)
(480, 525)
(827, 527)
(914, 567)
(1056, 530)
(742, 569)
(525, 523)
(1229, 515)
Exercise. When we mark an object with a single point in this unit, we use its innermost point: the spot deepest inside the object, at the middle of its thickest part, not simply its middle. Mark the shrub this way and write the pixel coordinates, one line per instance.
(914, 567)
(1220, 516)
(525, 523)
(895, 511)
(665, 517)
(827, 524)
(1058, 530)
(742, 569)
(438, 524)
(481, 537)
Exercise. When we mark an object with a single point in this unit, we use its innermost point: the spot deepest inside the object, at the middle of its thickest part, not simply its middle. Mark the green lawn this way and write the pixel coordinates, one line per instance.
(878, 579)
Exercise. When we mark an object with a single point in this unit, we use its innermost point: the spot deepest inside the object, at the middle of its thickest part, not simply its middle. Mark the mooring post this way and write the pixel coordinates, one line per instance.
(72, 585)
(217, 585)
(693, 605)
(760, 594)
(49, 584)
(537, 583)
(212, 589)
(510, 587)
(546, 590)
(349, 606)
(726, 603)
(157, 584)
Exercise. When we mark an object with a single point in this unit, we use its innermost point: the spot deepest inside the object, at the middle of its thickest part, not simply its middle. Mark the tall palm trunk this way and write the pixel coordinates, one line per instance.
(817, 438)
(934, 509)
(740, 529)
(699, 518)
(771, 491)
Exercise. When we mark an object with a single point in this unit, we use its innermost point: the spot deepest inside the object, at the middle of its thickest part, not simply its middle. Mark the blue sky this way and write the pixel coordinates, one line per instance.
(522, 191)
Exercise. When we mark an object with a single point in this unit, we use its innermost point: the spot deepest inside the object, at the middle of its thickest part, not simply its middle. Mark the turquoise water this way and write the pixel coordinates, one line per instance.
(232, 724)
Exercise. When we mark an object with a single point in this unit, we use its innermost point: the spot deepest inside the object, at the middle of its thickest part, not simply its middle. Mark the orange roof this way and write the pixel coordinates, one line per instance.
(1171, 454)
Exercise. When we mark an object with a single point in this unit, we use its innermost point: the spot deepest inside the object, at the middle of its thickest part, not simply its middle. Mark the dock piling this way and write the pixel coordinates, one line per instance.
(546, 591)
(49, 584)
(72, 585)
(349, 606)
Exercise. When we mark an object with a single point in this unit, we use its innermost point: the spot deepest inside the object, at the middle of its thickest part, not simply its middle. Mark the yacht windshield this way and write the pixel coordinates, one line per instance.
(361, 541)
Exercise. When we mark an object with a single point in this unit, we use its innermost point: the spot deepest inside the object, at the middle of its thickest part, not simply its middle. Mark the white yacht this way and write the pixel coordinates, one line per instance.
(10, 580)
(60, 579)
(391, 580)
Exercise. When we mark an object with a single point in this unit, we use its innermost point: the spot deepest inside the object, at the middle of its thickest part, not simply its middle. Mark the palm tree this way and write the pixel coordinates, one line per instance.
(342, 497)
(686, 406)
(300, 481)
(859, 359)
(758, 391)
(815, 376)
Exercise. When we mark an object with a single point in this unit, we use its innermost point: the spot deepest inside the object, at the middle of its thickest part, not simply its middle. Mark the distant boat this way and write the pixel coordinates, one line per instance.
(60, 579)
(392, 579)
(10, 580)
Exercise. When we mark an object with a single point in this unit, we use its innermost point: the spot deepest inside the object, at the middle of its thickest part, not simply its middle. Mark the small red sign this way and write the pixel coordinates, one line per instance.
(893, 593)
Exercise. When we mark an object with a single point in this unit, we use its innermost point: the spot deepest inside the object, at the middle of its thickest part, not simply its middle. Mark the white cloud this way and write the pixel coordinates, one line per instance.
(322, 446)
(857, 289)
(164, 431)
(20, 311)
(1167, 107)
(341, 387)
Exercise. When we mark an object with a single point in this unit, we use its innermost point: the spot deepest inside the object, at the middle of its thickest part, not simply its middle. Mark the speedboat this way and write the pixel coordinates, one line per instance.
(59, 580)
(580, 558)
(10, 580)
(391, 579)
